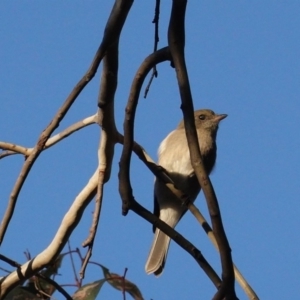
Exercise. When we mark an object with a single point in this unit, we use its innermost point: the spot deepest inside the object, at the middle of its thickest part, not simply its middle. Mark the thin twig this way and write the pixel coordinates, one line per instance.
(156, 40)
(17, 149)
(96, 215)
(9, 261)
(4, 154)
(70, 130)
(156, 23)
(123, 282)
(85, 261)
(4, 270)
(72, 262)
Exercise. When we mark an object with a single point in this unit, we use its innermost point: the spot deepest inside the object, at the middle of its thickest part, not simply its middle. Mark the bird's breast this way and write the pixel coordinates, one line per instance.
(174, 154)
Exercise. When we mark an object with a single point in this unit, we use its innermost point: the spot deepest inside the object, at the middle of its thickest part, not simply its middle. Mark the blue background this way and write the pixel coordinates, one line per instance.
(243, 60)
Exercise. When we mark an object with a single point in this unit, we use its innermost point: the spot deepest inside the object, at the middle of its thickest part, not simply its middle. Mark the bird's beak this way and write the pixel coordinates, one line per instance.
(220, 117)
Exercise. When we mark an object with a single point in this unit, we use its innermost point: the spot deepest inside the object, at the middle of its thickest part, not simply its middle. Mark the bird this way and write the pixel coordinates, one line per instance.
(174, 156)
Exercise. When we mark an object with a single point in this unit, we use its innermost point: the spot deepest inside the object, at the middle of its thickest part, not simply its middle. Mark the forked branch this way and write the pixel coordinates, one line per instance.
(111, 35)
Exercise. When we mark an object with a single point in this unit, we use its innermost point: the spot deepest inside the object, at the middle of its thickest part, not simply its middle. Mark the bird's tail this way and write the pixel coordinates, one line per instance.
(158, 253)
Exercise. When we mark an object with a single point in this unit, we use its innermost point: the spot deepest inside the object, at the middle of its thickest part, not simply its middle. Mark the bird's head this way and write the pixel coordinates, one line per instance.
(206, 119)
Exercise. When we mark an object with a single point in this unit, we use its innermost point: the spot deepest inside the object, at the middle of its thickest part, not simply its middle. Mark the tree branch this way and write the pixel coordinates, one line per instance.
(178, 239)
(176, 38)
(124, 172)
(111, 35)
(71, 219)
(156, 40)
(108, 140)
(17, 149)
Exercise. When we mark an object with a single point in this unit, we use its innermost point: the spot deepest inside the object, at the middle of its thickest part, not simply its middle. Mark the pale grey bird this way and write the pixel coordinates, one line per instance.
(174, 156)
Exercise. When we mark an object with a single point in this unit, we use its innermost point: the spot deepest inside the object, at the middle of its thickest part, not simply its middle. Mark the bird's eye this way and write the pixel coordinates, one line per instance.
(202, 117)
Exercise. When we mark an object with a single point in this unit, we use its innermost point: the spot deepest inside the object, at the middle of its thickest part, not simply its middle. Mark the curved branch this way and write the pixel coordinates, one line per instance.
(176, 38)
(124, 177)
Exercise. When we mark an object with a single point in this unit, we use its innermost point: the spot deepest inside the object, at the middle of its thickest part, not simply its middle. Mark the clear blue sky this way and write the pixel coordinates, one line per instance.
(243, 60)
